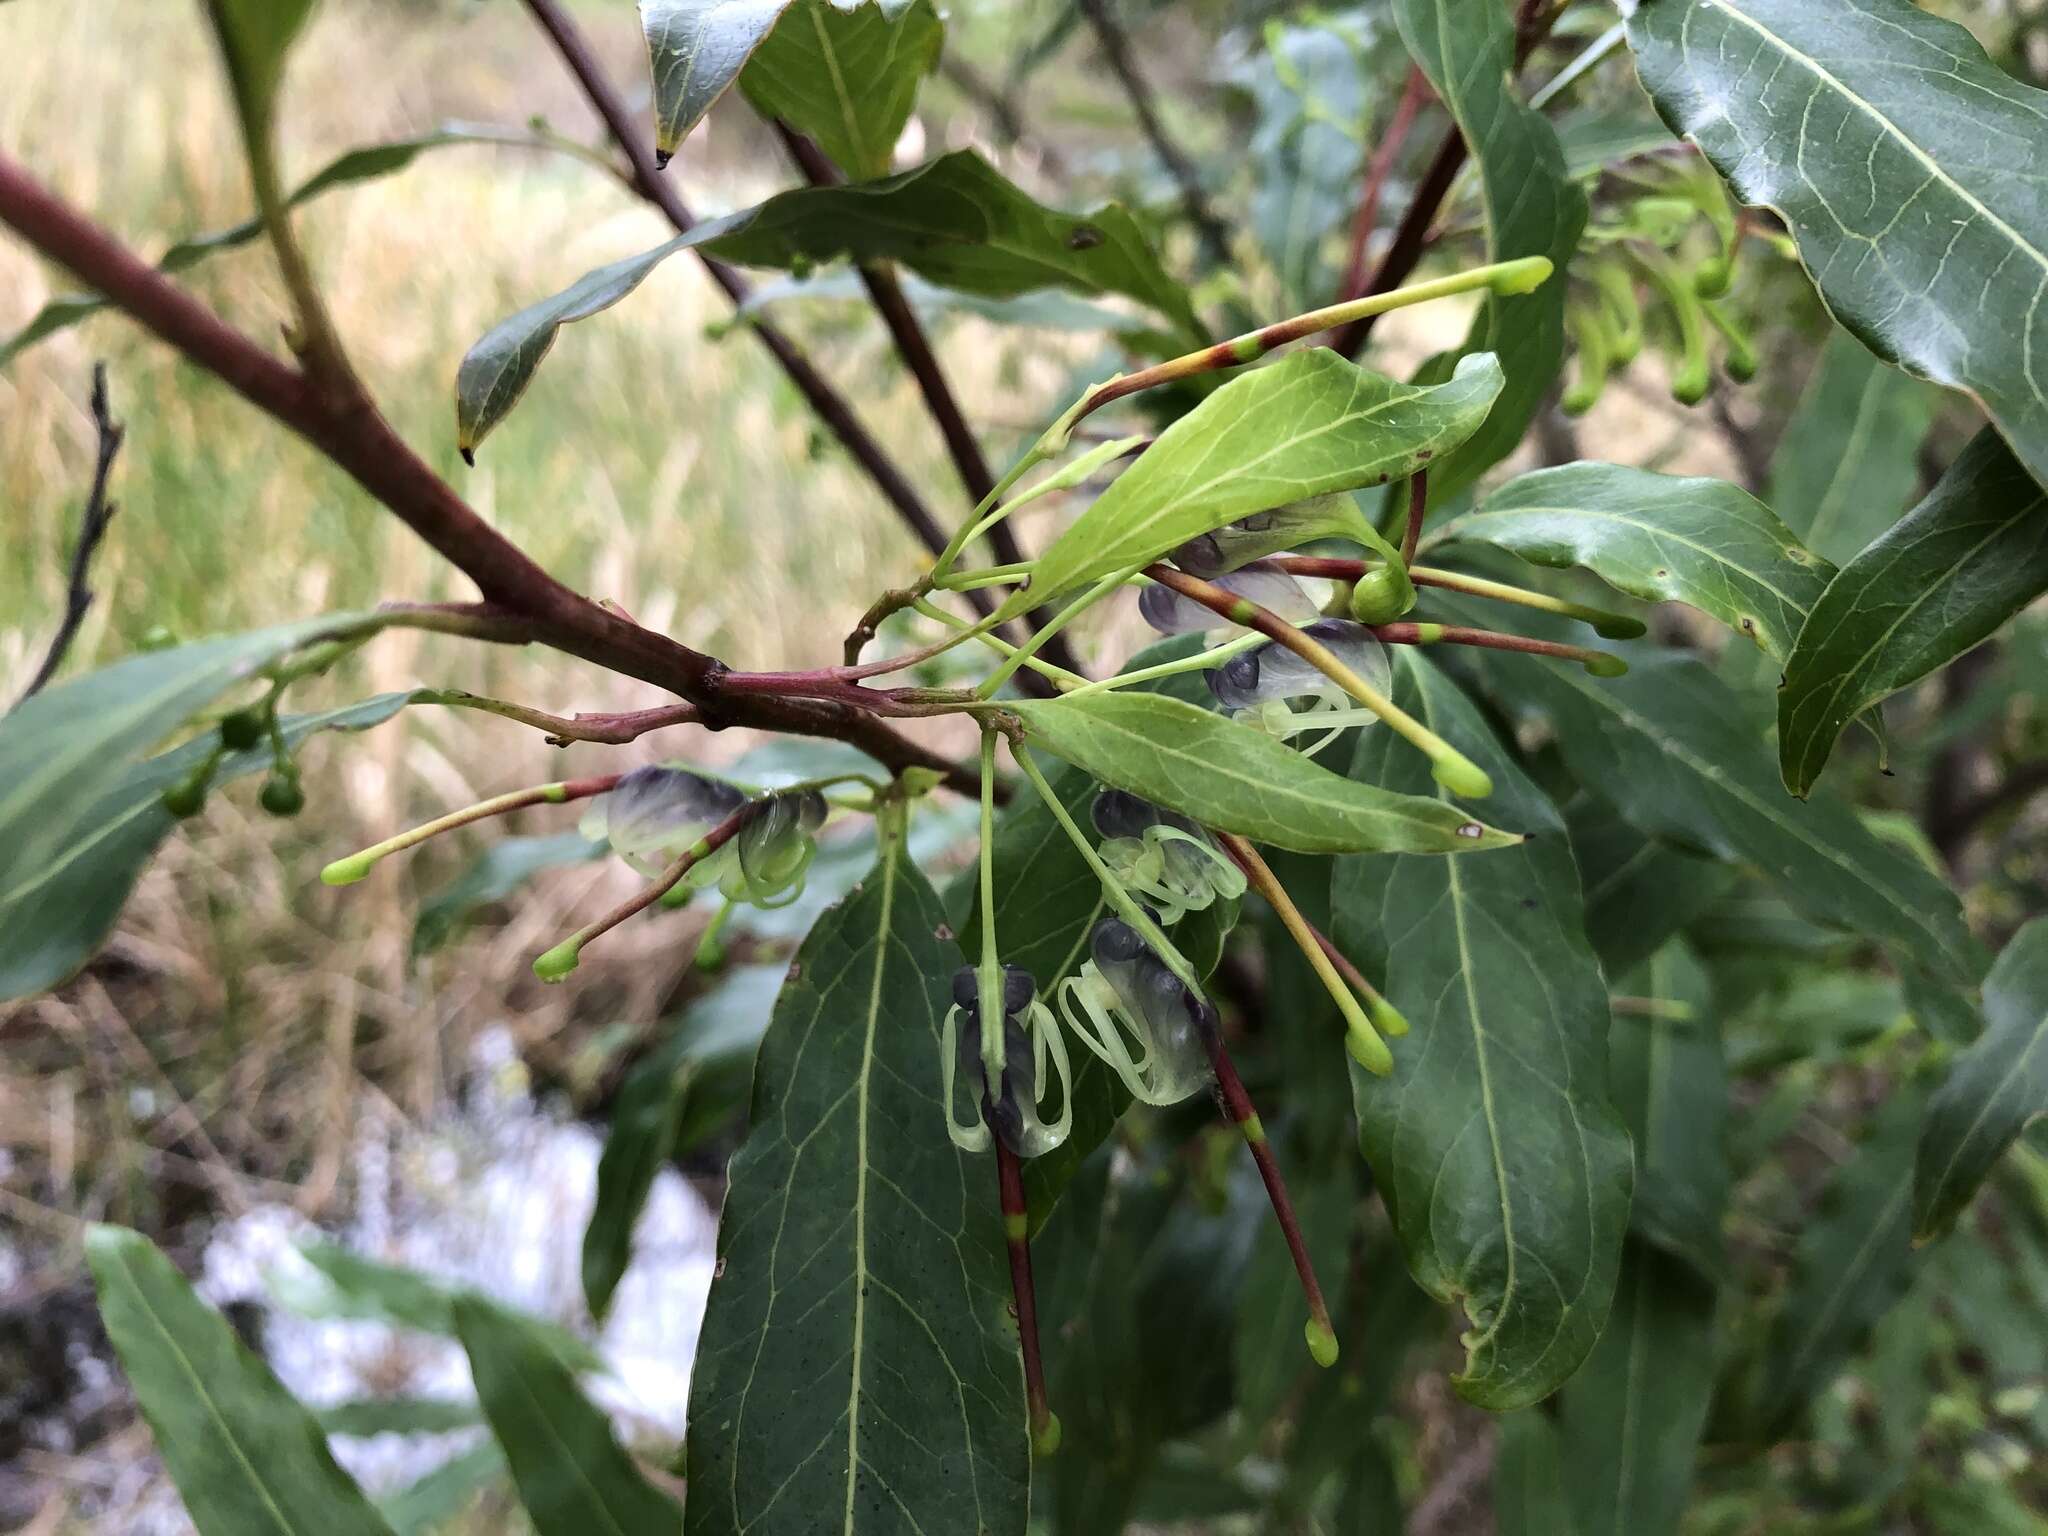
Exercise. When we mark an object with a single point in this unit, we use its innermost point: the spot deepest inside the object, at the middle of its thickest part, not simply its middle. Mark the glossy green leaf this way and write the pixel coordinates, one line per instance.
(1529, 206)
(365, 1416)
(573, 1477)
(429, 1504)
(1629, 1423)
(1662, 538)
(1683, 757)
(255, 36)
(1960, 564)
(696, 49)
(1305, 426)
(1889, 143)
(1639, 890)
(1993, 1089)
(247, 1459)
(1494, 1146)
(1232, 778)
(1528, 1477)
(846, 74)
(857, 1363)
(1852, 1261)
(1847, 466)
(649, 1114)
(78, 810)
(1665, 1071)
(1046, 310)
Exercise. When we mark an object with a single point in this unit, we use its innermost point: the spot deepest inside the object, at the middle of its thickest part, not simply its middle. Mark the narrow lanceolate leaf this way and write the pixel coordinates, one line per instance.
(1505, 1168)
(1853, 1260)
(1994, 1088)
(1662, 538)
(1528, 1477)
(1888, 141)
(846, 74)
(67, 908)
(573, 1477)
(962, 224)
(858, 1368)
(1234, 779)
(1683, 756)
(956, 222)
(1629, 1429)
(247, 1459)
(1308, 425)
(1847, 466)
(1668, 1079)
(696, 49)
(1960, 564)
(64, 756)
(1531, 208)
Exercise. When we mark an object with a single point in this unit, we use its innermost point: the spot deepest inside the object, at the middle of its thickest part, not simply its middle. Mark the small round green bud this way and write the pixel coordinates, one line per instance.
(1605, 664)
(1322, 1341)
(1045, 1437)
(1689, 383)
(558, 962)
(1461, 776)
(1713, 277)
(242, 730)
(282, 796)
(1382, 596)
(185, 798)
(1387, 1019)
(349, 870)
(1369, 1051)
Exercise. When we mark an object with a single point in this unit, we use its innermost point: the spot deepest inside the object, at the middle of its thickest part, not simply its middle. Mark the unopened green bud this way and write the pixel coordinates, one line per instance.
(1388, 1019)
(1462, 777)
(282, 796)
(559, 961)
(242, 730)
(349, 870)
(1045, 1437)
(185, 798)
(1605, 664)
(1382, 596)
(1322, 1341)
(1369, 1051)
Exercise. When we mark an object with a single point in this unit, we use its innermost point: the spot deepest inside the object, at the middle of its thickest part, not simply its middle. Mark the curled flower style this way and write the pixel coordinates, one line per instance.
(1163, 857)
(774, 850)
(1259, 686)
(656, 814)
(1268, 586)
(1125, 993)
(1012, 1104)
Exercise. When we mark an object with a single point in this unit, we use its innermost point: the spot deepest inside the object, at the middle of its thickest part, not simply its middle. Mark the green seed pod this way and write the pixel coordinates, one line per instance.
(1739, 361)
(1382, 596)
(185, 798)
(242, 730)
(282, 796)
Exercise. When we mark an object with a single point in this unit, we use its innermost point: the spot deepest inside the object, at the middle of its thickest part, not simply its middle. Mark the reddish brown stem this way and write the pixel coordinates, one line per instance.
(1486, 639)
(1418, 509)
(1017, 1239)
(1413, 95)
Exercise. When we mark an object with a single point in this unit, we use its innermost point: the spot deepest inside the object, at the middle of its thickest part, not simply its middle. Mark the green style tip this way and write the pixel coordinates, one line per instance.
(1322, 1341)
(1461, 776)
(559, 961)
(1045, 1436)
(1619, 626)
(1523, 276)
(1605, 664)
(1369, 1051)
(1389, 1020)
(349, 870)
(1689, 384)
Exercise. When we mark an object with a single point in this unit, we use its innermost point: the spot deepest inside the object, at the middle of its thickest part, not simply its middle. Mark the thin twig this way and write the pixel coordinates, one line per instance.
(1381, 165)
(1418, 510)
(92, 528)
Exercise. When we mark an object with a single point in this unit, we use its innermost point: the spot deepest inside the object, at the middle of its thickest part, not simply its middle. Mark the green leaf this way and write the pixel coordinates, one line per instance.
(255, 36)
(245, 1456)
(500, 870)
(1668, 1079)
(573, 1477)
(1968, 558)
(79, 815)
(1888, 142)
(696, 49)
(955, 221)
(1305, 426)
(713, 1039)
(1530, 208)
(846, 74)
(1232, 778)
(1268, 1355)
(1049, 310)
(365, 1416)
(432, 1502)
(1630, 1422)
(1683, 756)
(1848, 462)
(1528, 1478)
(1639, 890)
(1993, 1089)
(857, 1363)
(1503, 1165)
(358, 165)
(1852, 1261)
(1662, 538)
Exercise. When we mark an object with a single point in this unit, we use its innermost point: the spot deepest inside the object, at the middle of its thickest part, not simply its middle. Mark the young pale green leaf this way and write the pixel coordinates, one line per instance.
(1531, 208)
(1630, 1422)
(962, 224)
(1662, 538)
(573, 1477)
(255, 36)
(1993, 1089)
(247, 1459)
(1232, 778)
(846, 74)
(1847, 466)
(68, 757)
(1665, 1070)
(1960, 564)
(1852, 1261)
(1683, 756)
(66, 909)
(1875, 127)
(1306, 426)
(857, 1365)
(696, 49)
(648, 1117)
(1504, 1167)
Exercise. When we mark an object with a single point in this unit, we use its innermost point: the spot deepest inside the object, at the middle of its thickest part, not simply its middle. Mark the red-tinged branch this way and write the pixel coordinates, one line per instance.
(1599, 663)
(1237, 1104)
(1418, 509)
(1045, 1426)
(1413, 95)
(1612, 626)
(562, 792)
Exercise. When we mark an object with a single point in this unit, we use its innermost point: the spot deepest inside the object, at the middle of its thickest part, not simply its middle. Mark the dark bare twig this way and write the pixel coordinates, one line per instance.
(1003, 115)
(1378, 168)
(92, 528)
(1116, 49)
